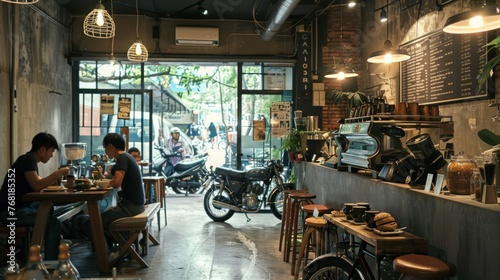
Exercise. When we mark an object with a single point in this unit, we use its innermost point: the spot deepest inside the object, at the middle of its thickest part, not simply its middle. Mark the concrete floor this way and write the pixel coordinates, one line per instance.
(194, 247)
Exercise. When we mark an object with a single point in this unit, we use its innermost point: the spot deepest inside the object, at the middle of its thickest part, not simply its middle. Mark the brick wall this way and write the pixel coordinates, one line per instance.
(333, 52)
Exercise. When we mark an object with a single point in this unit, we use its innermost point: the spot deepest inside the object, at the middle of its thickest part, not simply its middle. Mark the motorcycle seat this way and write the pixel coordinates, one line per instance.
(186, 165)
(227, 172)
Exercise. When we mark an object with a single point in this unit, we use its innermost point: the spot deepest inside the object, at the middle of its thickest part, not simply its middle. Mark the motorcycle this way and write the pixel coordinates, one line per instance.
(230, 191)
(189, 174)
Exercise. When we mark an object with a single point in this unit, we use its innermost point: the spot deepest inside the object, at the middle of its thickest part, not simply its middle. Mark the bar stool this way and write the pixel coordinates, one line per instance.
(316, 230)
(287, 205)
(422, 267)
(158, 183)
(297, 199)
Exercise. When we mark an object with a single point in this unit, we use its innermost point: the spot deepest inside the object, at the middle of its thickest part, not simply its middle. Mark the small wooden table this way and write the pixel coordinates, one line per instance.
(158, 183)
(404, 243)
(92, 198)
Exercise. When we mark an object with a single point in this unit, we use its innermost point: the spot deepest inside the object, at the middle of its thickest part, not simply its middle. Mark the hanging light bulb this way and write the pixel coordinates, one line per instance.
(98, 23)
(137, 52)
(100, 18)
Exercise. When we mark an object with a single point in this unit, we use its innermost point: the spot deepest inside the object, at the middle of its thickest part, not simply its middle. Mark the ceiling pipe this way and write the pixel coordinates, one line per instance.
(278, 18)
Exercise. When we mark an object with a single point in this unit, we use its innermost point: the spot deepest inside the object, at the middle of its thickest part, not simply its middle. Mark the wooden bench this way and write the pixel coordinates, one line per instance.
(126, 231)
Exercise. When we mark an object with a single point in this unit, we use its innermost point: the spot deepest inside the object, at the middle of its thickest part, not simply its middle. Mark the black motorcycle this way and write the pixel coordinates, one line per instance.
(230, 191)
(189, 174)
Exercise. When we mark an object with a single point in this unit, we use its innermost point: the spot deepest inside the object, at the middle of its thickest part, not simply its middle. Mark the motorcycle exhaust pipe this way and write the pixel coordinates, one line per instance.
(221, 204)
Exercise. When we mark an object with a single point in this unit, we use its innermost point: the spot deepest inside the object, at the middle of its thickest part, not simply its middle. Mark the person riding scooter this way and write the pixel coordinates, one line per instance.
(177, 146)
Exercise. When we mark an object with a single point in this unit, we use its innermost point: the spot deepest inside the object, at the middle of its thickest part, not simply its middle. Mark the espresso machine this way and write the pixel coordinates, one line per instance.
(372, 141)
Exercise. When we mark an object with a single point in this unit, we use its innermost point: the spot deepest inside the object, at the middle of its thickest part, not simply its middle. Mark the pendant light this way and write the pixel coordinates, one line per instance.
(340, 71)
(480, 18)
(388, 54)
(137, 52)
(98, 23)
(20, 1)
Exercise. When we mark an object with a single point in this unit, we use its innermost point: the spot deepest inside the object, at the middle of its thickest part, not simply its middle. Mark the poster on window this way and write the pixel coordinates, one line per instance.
(280, 119)
(107, 105)
(259, 130)
(124, 105)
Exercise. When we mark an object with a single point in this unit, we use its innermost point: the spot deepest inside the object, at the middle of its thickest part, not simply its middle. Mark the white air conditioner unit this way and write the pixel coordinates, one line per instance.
(196, 36)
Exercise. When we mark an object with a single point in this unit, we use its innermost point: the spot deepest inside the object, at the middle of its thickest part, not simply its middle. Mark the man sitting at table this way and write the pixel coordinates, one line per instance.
(127, 175)
(23, 178)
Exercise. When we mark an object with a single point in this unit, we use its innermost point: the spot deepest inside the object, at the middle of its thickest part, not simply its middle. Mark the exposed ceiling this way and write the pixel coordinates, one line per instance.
(259, 10)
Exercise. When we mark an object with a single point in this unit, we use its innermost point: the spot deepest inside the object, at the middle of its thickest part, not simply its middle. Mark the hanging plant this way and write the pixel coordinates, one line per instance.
(489, 67)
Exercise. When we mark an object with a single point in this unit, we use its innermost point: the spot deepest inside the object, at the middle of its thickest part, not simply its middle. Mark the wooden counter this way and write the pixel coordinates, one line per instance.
(458, 229)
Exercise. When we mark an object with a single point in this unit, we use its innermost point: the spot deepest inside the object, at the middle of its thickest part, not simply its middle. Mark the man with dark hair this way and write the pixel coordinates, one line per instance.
(127, 175)
(135, 153)
(23, 178)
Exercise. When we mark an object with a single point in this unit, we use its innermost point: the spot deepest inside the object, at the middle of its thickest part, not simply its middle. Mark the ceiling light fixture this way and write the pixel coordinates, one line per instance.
(480, 18)
(383, 15)
(202, 9)
(341, 71)
(137, 52)
(20, 1)
(388, 54)
(351, 4)
(98, 23)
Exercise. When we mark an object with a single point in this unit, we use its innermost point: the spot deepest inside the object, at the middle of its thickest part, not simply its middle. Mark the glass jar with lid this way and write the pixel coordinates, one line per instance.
(476, 182)
(459, 173)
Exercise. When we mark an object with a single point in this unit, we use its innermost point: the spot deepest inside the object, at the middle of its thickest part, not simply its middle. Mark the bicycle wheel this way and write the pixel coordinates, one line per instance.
(330, 268)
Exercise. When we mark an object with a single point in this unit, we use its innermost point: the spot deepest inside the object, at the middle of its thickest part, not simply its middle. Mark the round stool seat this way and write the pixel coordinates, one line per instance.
(322, 209)
(422, 266)
(316, 222)
(302, 195)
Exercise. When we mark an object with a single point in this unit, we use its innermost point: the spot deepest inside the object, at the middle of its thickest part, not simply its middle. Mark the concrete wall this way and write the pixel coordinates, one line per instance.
(458, 229)
(34, 48)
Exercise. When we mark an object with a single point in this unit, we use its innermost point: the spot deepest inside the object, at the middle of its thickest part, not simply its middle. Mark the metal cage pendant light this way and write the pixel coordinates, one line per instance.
(20, 1)
(99, 24)
(480, 18)
(341, 72)
(388, 54)
(137, 52)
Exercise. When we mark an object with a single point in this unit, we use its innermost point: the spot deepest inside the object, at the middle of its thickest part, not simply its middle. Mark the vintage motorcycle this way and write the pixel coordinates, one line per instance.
(230, 191)
(189, 174)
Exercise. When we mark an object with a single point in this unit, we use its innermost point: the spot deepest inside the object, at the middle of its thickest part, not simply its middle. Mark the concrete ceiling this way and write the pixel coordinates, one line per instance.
(259, 10)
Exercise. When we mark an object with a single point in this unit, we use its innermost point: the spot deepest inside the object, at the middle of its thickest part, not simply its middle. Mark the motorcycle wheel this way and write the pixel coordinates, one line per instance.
(330, 268)
(276, 202)
(217, 214)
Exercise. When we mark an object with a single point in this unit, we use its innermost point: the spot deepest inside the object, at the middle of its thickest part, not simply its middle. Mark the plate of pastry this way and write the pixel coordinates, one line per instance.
(55, 189)
(388, 233)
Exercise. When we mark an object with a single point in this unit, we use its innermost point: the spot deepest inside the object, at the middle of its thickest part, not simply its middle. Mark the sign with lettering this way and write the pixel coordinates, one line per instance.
(303, 67)
(443, 68)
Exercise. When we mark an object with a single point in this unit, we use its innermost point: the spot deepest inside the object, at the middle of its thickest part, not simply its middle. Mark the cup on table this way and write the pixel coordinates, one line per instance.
(347, 210)
(357, 213)
(365, 204)
(369, 218)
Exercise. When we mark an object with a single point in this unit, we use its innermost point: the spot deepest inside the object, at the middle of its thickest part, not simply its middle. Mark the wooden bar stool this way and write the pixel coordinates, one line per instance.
(158, 183)
(297, 199)
(286, 213)
(315, 235)
(422, 267)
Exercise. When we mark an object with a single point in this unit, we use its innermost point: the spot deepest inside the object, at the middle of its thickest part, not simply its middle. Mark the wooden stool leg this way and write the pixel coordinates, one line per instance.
(304, 251)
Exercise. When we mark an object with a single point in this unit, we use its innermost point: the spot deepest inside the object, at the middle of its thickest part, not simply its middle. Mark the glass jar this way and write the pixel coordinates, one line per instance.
(459, 173)
(475, 185)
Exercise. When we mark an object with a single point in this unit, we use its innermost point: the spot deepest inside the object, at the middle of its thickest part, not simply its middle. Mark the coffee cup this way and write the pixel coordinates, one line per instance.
(365, 204)
(357, 213)
(347, 210)
(369, 218)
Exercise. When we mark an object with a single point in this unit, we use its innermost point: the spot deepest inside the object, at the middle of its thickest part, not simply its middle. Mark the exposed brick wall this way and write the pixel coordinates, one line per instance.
(349, 51)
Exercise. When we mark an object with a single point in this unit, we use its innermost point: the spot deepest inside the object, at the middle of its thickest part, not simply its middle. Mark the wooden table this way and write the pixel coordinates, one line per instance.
(401, 244)
(92, 198)
(159, 187)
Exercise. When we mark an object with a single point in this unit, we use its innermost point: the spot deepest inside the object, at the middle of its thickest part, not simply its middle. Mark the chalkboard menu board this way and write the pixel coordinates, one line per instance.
(443, 68)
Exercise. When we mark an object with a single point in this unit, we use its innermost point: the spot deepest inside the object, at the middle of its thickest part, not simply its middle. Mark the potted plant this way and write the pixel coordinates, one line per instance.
(292, 143)
(489, 67)
(352, 99)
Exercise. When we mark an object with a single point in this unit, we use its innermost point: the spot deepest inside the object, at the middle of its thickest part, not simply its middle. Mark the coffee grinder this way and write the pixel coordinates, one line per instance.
(71, 156)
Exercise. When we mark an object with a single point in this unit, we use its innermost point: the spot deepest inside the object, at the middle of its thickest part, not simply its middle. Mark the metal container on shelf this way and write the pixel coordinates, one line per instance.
(312, 123)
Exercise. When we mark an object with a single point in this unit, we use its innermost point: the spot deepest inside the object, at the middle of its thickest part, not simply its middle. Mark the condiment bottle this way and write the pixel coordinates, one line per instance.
(65, 268)
(35, 270)
(476, 182)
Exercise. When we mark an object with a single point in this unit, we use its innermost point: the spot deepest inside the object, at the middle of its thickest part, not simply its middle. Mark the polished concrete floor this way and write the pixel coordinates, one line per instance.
(194, 247)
